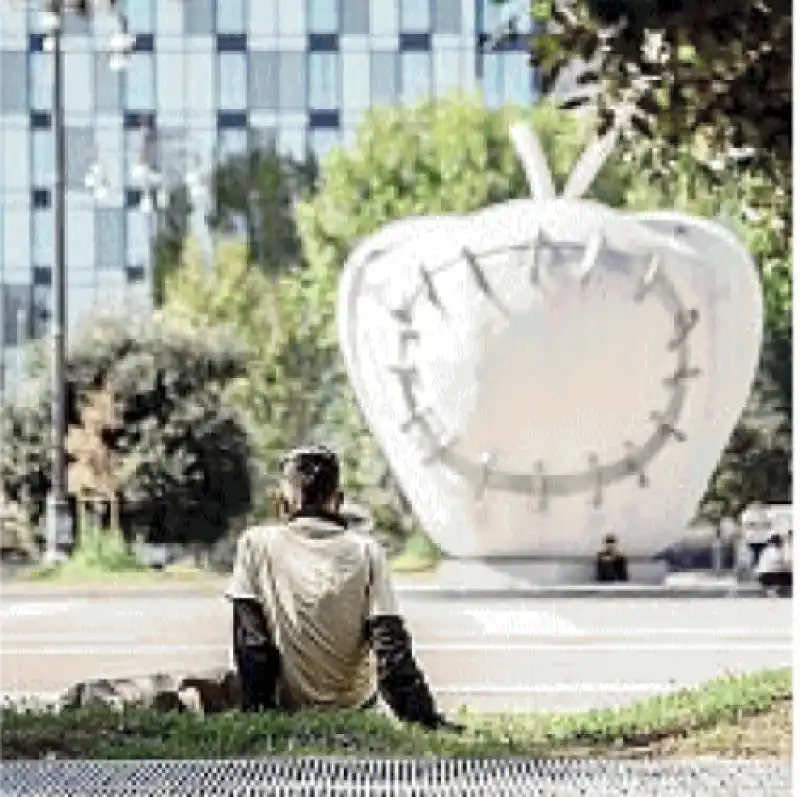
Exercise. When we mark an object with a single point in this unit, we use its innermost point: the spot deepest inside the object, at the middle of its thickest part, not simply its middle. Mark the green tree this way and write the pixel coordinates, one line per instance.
(717, 72)
(287, 387)
(184, 453)
(252, 196)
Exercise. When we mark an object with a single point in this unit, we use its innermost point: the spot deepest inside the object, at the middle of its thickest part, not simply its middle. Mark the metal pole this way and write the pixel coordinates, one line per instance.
(59, 531)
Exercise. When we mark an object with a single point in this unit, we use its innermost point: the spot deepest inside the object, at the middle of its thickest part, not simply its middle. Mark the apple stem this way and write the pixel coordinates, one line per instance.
(533, 161)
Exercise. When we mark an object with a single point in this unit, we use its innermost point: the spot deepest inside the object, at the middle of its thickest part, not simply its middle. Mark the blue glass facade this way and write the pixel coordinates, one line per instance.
(211, 77)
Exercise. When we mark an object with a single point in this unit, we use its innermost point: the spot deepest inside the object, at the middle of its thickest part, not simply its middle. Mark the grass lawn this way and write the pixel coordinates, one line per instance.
(743, 717)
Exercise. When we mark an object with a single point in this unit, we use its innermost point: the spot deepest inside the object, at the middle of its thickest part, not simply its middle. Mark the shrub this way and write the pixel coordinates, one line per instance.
(183, 453)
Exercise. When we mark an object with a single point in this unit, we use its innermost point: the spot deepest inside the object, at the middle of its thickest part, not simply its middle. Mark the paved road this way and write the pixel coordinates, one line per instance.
(493, 655)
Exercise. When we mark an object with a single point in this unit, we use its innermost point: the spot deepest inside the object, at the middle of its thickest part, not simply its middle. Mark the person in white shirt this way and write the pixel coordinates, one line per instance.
(774, 568)
(316, 620)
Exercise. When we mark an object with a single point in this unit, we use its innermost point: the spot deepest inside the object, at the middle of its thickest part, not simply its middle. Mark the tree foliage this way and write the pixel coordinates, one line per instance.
(717, 72)
(252, 197)
(183, 453)
(280, 318)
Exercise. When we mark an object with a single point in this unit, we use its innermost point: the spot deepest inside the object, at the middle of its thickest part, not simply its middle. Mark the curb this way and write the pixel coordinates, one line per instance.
(431, 591)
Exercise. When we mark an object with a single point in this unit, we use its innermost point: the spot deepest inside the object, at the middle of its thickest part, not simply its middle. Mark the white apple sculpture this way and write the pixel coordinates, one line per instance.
(549, 370)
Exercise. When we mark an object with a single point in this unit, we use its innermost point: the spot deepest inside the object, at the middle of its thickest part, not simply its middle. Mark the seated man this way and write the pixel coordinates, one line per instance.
(313, 600)
(612, 565)
(774, 567)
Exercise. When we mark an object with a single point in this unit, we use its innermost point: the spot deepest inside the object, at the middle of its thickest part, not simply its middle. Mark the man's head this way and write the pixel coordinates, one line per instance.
(310, 479)
(610, 543)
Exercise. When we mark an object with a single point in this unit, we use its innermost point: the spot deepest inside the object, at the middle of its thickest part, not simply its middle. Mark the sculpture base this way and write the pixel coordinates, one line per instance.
(523, 572)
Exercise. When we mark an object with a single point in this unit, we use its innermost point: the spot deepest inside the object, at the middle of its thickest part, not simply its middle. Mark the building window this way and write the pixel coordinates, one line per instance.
(170, 86)
(323, 16)
(80, 156)
(199, 16)
(14, 85)
(41, 77)
(355, 90)
(291, 17)
(16, 241)
(383, 18)
(517, 79)
(416, 82)
(415, 16)
(42, 236)
(383, 78)
(233, 81)
(170, 19)
(140, 83)
(16, 158)
(109, 238)
(415, 42)
(263, 19)
(493, 79)
(42, 276)
(107, 92)
(355, 17)
(80, 241)
(447, 16)
(201, 86)
(232, 42)
(292, 141)
(446, 71)
(231, 16)
(140, 15)
(322, 142)
(263, 80)
(78, 83)
(43, 158)
(323, 81)
(137, 236)
(323, 120)
(232, 142)
(292, 81)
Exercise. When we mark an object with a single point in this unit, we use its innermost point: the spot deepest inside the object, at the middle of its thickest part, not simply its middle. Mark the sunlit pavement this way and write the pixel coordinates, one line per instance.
(493, 655)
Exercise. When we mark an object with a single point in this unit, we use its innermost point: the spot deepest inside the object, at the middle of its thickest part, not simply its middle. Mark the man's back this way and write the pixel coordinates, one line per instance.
(315, 580)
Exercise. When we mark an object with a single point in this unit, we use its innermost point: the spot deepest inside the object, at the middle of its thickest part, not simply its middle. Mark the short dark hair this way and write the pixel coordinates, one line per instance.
(313, 471)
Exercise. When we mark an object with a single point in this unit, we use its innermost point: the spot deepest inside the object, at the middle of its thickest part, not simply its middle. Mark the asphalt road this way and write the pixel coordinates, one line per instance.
(498, 655)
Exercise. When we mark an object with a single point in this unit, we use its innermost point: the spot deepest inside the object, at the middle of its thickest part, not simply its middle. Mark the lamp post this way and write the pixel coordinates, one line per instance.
(59, 520)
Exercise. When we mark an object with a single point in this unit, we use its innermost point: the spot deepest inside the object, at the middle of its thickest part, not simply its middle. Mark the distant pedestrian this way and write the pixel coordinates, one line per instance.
(774, 567)
(611, 564)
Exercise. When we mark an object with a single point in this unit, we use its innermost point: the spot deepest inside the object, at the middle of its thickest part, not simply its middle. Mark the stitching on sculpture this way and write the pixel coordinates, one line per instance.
(632, 463)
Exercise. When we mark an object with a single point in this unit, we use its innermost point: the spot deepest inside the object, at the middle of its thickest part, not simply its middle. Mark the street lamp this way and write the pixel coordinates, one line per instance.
(59, 521)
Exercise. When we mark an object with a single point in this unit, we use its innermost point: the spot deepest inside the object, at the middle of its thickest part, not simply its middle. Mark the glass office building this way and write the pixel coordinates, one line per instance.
(211, 78)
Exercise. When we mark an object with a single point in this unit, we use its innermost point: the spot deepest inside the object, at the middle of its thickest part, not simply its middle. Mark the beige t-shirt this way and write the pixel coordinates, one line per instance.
(318, 584)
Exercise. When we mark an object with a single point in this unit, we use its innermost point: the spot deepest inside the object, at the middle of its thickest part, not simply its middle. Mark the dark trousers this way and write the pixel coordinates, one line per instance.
(780, 581)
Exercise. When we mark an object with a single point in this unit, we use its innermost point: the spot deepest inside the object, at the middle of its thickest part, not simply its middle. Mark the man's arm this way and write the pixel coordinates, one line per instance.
(258, 661)
(256, 655)
(400, 681)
